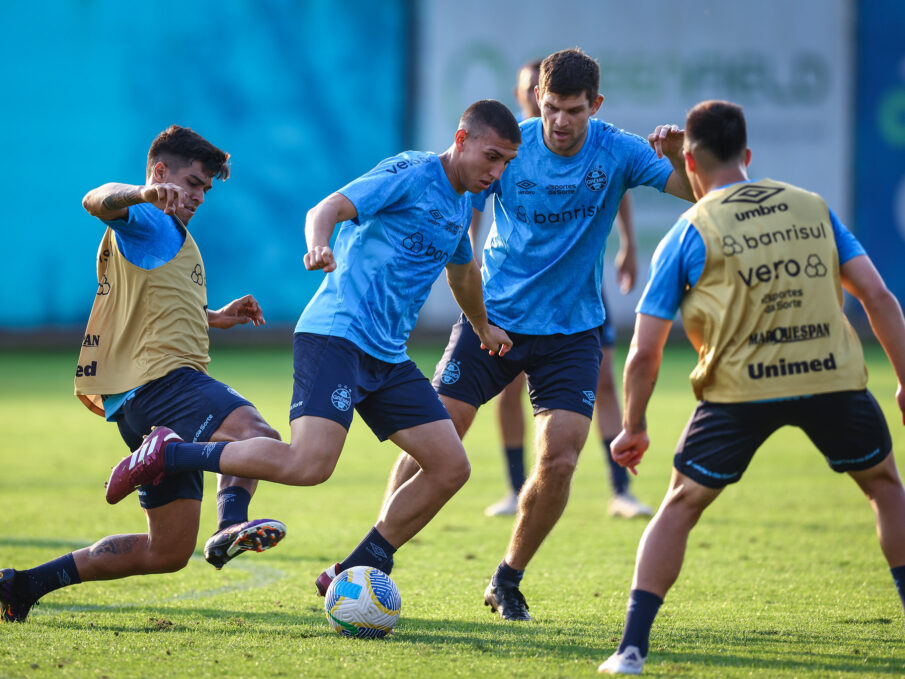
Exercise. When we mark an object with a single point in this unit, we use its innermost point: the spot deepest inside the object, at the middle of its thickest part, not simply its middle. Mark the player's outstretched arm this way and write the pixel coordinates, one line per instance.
(319, 225)
(465, 283)
(238, 312)
(861, 279)
(641, 368)
(111, 201)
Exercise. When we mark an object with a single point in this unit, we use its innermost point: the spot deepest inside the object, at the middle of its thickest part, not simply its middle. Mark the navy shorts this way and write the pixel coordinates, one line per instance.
(332, 376)
(190, 403)
(562, 370)
(720, 439)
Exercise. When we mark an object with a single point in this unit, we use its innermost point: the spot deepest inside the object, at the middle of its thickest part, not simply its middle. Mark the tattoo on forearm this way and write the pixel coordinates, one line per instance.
(121, 199)
(116, 544)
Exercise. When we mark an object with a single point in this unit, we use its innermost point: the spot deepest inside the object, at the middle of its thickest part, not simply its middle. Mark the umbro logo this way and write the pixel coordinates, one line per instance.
(752, 193)
(436, 214)
(526, 184)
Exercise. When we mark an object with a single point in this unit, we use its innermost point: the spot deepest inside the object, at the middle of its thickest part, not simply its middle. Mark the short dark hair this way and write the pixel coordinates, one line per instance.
(570, 72)
(493, 114)
(182, 145)
(717, 126)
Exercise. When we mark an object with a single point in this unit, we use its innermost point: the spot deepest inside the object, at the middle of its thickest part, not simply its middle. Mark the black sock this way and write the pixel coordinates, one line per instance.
(639, 618)
(232, 506)
(898, 576)
(373, 551)
(507, 575)
(188, 457)
(515, 465)
(52, 575)
(618, 473)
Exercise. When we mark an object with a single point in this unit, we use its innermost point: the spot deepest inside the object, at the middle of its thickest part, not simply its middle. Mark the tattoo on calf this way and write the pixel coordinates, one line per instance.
(115, 544)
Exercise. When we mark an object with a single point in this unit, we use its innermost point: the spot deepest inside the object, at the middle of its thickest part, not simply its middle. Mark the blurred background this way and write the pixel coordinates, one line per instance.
(307, 95)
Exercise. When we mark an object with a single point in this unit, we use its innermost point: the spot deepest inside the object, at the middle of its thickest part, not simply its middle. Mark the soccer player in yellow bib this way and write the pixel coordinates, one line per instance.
(757, 269)
(143, 363)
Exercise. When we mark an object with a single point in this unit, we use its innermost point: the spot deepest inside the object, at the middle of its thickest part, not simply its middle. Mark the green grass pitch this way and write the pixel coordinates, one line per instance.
(783, 576)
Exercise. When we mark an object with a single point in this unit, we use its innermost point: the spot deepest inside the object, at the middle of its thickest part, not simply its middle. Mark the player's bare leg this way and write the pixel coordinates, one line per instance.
(406, 467)
(245, 422)
(561, 434)
(442, 470)
(165, 548)
(511, 421)
(309, 459)
(662, 547)
(883, 488)
(609, 423)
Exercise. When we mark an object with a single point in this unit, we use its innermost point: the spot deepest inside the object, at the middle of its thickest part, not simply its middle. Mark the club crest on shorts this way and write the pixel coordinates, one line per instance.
(341, 398)
(451, 373)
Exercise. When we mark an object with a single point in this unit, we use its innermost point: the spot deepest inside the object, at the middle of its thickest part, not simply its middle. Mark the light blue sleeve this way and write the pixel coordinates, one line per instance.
(464, 253)
(380, 188)
(676, 267)
(148, 237)
(847, 245)
(645, 168)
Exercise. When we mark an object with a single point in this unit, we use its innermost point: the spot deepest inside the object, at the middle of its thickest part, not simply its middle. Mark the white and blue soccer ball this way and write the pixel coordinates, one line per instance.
(363, 602)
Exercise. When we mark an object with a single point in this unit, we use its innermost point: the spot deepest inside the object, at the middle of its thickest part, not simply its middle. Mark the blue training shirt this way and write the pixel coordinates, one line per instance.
(411, 223)
(147, 238)
(679, 261)
(543, 259)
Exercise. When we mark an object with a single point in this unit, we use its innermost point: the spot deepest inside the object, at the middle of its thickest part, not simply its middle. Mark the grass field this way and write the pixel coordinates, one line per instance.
(783, 577)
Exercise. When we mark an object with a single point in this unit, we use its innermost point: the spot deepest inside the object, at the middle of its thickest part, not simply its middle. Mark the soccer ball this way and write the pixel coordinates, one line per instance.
(363, 602)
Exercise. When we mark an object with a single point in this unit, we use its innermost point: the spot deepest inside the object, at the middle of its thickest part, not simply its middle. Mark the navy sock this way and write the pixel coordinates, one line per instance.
(50, 576)
(189, 457)
(232, 506)
(898, 576)
(373, 551)
(515, 461)
(618, 473)
(508, 575)
(639, 618)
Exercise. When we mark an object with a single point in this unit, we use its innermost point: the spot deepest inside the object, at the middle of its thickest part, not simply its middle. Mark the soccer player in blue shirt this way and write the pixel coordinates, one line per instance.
(606, 404)
(757, 269)
(144, 362)
(542, 272)
(401, 224)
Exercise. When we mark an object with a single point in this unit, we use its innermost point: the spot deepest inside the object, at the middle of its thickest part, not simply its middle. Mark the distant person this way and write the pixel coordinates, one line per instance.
(510, 416)
(757, 269)
(401, 225)
(143, 363)
(542, 272)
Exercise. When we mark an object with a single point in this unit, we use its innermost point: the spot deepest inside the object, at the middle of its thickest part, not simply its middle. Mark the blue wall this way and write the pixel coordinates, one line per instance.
(880, 147)
(304, 95)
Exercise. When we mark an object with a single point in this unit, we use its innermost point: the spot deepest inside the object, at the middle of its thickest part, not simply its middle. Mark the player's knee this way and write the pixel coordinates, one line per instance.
(559, 468)
(171, 560)
(307, 473)
(460, 474)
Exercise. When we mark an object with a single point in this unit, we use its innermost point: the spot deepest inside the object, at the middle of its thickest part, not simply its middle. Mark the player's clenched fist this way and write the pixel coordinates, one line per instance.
(166, 197)
(667, 140)
(320, 257)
